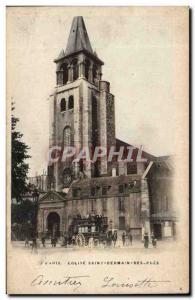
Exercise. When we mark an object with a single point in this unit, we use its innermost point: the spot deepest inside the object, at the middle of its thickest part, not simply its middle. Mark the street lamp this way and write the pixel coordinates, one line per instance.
(35, 196)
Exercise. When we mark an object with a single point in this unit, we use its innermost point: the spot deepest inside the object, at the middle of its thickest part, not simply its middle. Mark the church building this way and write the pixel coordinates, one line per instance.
(82, 115)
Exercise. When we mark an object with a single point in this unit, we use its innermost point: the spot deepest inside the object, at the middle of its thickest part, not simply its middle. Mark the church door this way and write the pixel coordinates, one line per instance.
(53, 224)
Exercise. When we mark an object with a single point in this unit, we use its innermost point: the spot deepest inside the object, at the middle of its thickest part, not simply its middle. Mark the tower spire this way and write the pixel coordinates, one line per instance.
(78, 38)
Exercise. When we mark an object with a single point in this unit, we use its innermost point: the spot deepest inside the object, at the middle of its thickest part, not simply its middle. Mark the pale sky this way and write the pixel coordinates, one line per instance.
(144, 53)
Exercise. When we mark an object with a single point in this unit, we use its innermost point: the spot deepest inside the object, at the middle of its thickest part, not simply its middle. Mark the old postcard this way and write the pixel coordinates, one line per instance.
(97, 150)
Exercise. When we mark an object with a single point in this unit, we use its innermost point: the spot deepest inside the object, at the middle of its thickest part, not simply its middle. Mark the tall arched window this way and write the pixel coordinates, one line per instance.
(71, 102)
(63, 105)
(75, 69)
(94, 73)
(59, 77)
(87, 66)
(64, 69)
(67, 136)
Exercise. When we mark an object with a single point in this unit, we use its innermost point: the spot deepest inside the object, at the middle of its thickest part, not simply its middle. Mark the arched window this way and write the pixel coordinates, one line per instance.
(59, 77)
(64, 70)
(63, 105)
(71, 102)
(87, 66)
(67, 136)
(94, 73)
(75, 69)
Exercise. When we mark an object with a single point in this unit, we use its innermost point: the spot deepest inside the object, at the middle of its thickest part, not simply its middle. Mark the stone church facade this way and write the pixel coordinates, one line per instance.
(82, 114)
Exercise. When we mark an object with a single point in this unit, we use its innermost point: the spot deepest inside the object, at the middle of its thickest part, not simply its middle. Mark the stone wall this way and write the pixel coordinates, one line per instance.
(131, 211)
(79, 120)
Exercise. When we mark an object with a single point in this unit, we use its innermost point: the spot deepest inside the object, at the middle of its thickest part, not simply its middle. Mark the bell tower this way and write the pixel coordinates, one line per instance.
(81, 109)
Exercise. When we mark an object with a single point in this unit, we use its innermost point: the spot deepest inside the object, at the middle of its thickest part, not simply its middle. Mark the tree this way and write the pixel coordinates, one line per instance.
(19, 168)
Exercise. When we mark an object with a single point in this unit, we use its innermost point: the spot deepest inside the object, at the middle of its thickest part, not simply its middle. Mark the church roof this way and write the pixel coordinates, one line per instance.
(78, 38)
(78, 41)
(85, 185)
(146, 155)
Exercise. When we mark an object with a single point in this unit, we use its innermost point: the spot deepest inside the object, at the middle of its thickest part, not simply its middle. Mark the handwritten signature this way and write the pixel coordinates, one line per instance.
(73, 281)
(108, 282)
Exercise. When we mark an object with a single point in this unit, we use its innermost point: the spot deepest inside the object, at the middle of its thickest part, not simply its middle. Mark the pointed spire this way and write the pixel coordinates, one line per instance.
(78, 38)
(78, 41)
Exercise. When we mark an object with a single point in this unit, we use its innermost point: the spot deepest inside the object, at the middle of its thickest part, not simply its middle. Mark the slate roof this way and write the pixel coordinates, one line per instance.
(135, 151)
(78, 41)
(78, 37)
(112, 184)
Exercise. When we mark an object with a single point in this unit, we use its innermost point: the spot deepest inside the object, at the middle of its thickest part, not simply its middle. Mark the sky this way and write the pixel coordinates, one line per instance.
(145, 56)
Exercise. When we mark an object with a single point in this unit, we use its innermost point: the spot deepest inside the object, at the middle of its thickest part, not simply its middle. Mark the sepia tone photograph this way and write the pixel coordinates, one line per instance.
(97, 150)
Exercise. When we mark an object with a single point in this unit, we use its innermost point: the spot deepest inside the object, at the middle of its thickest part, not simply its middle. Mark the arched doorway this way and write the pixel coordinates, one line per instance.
(53, 224)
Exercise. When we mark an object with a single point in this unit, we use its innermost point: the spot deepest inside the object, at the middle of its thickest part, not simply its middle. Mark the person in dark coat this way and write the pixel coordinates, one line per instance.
(123, 238)
(109, 238)
(65, 243)
(52, 241)
(146, 240)
(34, 244)
(43, 241)
(130, 238)
(114, 238)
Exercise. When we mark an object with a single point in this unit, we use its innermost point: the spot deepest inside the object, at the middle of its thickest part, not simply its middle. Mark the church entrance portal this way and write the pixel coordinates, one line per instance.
(53, 224)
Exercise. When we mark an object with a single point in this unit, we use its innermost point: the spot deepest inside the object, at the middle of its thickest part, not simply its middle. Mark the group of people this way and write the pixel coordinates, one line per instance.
(34, 245)
(146, 240)
(53, 241)
(127, 237)
(31, 243)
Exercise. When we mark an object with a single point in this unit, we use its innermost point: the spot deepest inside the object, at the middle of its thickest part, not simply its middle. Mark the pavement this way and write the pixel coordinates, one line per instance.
(136, 246)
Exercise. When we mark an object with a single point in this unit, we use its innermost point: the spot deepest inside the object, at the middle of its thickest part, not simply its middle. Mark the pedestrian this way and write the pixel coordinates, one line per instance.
(65, 243)
(43, 241)
(146, 240)
(52, 241)
(34, 244)
(130, 238)
(55, 241)
(109, 238)
(154, 242)
(114, 238)
(26, 242)
(123, 238)
(91, 242)
(73, 240)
